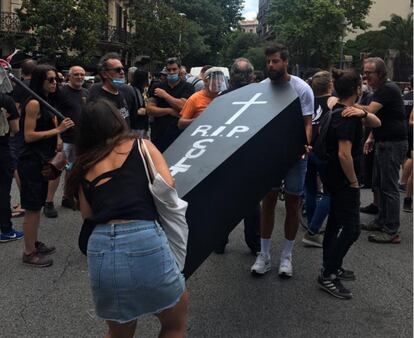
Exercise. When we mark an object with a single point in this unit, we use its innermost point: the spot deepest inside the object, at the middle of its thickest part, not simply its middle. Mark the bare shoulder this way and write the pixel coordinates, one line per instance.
(32, 107)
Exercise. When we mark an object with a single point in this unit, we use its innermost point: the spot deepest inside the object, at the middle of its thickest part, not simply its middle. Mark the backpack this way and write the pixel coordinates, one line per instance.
(321, 147)
(4, 123)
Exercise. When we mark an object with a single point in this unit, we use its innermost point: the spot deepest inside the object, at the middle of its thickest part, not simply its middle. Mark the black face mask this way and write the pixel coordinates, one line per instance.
(276, 75)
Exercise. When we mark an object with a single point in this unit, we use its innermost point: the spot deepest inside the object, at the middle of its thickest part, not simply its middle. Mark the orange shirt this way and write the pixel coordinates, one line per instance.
(195, 105)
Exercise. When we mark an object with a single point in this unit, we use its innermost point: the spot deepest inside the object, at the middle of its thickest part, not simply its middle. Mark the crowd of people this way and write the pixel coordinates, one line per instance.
(358, 133)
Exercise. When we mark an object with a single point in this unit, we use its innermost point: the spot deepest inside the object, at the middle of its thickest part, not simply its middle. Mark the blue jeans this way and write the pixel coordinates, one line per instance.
(316, 211)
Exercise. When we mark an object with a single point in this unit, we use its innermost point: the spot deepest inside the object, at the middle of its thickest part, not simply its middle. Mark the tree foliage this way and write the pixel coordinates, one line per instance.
(70, 27)
(313, 29)
(237, 44)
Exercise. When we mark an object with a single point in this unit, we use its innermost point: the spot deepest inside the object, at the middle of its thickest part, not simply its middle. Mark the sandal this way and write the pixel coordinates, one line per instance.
(17, 211)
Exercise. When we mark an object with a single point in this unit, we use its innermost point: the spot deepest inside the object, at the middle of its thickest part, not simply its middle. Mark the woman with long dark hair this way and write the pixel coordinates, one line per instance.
(131, 267)
(40, 142)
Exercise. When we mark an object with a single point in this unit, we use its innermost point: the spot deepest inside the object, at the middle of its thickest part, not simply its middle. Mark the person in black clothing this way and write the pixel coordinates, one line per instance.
(113, 87)
(390, 150)
(109, 178)
(40, 143)
(344, 147)
(71, 98)
(20, 95)
(9, 122)
(317, 209)
(139, 120)
(165, 104)
(242, 74)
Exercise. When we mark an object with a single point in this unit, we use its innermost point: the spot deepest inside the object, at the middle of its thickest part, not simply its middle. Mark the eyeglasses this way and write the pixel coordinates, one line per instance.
(51, 79)
(116, 69)
(78, 75)
(366, 73)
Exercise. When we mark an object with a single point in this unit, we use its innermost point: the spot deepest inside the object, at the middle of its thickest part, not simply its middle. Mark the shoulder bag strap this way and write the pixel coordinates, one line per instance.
(151, 167)
(144, 161)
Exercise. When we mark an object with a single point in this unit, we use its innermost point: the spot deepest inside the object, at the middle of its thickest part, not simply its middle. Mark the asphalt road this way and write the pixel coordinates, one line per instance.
(225, 300)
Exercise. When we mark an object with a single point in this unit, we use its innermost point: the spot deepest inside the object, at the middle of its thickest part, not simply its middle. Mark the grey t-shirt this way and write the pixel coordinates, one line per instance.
(304, 92)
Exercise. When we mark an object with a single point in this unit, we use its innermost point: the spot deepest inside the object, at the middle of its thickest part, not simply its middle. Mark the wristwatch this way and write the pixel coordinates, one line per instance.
(366, 113)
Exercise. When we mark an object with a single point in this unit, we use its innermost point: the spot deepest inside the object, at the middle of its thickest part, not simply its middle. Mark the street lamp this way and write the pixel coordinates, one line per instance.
(182, 15)
(344, 24)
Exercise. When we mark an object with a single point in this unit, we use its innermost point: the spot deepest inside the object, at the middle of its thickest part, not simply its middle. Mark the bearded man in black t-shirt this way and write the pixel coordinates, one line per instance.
(165, 104)
(390, 149)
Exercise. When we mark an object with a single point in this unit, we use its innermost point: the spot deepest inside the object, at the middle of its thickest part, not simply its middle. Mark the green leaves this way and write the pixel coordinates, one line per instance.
(66, 26)
(313, 29)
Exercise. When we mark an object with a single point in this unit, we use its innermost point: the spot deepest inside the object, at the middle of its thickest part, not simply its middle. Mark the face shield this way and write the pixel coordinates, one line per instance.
(215, 80)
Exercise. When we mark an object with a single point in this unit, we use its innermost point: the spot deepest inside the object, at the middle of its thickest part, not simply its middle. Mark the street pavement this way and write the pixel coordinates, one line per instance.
(225, 300)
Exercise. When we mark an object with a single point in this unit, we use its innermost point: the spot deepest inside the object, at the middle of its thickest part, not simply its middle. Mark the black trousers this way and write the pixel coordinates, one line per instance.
(6, 177)
(343, 227)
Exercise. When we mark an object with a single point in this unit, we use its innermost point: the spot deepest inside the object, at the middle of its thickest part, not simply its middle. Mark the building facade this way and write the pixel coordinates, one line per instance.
(249, 26)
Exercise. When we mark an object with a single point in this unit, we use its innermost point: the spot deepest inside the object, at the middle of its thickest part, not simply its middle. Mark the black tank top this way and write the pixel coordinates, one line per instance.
(125, 196)
(43, 148)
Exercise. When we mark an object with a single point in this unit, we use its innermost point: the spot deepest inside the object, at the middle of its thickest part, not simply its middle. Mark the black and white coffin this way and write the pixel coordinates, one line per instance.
(229, 158)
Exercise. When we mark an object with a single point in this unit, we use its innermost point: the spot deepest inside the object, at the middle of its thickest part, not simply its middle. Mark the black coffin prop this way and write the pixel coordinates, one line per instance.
(228, 159)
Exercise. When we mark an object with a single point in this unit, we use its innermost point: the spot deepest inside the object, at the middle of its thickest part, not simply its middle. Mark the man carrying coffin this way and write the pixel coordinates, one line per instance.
(293, 182)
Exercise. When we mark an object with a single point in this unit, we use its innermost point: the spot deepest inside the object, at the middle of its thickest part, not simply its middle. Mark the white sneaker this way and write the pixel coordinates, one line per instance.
(285, 267)
(262, 265)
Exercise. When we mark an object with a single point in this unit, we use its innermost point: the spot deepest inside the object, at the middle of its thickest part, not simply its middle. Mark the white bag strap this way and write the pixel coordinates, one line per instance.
(152, 170)
(140, 142)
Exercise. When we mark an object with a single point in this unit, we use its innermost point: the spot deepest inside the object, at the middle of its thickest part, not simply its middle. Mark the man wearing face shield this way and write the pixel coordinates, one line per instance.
(165, 103)
(113, 87)
(214, 84)
(71, 98)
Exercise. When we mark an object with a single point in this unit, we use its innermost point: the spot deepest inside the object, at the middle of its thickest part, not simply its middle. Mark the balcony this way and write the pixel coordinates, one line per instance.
(9, 22)
(114, 35)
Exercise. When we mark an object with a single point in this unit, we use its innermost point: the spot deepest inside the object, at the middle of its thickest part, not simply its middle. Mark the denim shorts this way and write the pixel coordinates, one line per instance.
(132, 271)
(294, 181)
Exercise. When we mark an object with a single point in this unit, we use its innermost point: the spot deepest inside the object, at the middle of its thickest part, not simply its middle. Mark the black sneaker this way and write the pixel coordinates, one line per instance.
(68, 203)
(370, 209)
(346, 275)
(49, 210)
(334, 286)
(408, 204)
(44, 250)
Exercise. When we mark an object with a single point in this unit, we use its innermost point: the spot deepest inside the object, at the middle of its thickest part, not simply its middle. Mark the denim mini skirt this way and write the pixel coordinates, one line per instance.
(132, 271)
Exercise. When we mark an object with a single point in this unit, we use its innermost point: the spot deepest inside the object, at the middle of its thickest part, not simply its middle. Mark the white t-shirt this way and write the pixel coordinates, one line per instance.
(304, 92)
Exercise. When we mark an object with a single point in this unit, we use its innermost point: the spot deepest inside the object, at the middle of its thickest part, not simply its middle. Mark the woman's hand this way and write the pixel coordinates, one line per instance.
(353, 111)
(65, 125)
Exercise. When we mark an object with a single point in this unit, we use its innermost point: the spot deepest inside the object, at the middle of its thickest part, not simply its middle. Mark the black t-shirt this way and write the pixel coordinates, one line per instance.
(320, 109)
(139, 121)
(392, 114)
(181, 90)
(408, 104)
(70, 104)
(20, 94)
(8, 106)
(348, 129)
(96, 92)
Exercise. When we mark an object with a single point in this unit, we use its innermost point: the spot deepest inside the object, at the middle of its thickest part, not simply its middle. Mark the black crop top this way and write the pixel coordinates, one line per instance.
(125, 196)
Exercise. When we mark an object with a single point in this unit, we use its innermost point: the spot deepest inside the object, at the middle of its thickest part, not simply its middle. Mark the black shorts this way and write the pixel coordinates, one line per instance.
(33, 191)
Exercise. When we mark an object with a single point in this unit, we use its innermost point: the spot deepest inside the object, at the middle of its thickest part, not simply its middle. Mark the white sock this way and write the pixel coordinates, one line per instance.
(265, 246)
(287, 248)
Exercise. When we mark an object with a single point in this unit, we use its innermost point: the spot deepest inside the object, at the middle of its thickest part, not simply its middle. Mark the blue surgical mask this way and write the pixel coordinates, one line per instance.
(173, 77)
(118, 82)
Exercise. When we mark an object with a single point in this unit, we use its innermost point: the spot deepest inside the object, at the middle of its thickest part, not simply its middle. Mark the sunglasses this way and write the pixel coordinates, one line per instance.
(116, 69)
(51, 79)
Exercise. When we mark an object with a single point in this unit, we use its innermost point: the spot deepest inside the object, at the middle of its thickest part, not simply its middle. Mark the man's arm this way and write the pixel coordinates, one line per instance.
(154, 110)
(347, 163)
(373, 107)
(175, 103)
(307, 120)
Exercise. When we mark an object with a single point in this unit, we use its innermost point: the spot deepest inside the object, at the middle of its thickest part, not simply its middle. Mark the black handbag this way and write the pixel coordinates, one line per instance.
(85, 233)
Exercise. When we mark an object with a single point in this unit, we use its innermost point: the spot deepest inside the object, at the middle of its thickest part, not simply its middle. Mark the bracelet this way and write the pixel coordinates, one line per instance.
(366, 113)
